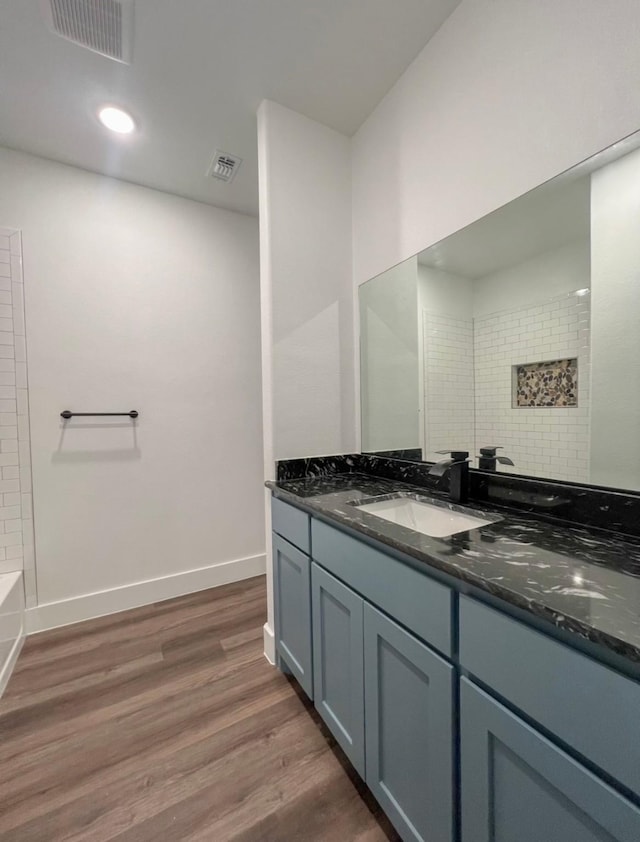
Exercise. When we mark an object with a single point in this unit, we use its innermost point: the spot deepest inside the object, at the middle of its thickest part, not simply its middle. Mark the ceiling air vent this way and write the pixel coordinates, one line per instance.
(103, 26)
(224, 166)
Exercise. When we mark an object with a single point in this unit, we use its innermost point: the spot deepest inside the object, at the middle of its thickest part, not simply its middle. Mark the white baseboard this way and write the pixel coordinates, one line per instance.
(88, 606)
(269, 644)
(9, 664)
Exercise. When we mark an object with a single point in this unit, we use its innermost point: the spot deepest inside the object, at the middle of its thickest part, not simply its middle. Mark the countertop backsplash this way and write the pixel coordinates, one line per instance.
(597, 508)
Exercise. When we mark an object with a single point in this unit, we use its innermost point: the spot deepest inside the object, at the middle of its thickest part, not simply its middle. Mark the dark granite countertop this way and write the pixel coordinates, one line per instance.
(583, 581)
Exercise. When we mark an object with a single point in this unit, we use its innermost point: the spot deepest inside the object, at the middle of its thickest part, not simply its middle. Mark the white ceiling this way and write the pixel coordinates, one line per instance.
(200, 69)
(546, 218)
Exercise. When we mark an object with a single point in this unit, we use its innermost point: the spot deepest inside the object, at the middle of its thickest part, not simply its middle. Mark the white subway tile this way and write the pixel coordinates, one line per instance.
(24, 451)
(27, 505)
(29, 567)
(25, 478)
(22, 402)
(20, 375)
(18, 321)
(11, 539)
(20, 348)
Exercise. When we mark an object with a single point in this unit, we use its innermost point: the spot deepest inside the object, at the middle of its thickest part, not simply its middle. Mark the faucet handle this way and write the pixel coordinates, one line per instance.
(490, 450)
(490, 453)
(456, 455)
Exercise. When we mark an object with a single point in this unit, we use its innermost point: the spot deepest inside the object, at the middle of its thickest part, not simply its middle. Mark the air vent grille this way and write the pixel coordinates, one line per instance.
(224, 166)
(104, 26)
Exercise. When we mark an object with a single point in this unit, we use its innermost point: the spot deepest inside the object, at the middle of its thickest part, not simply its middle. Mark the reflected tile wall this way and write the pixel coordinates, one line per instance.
(448, 384)
(548, 442)
(16, 507)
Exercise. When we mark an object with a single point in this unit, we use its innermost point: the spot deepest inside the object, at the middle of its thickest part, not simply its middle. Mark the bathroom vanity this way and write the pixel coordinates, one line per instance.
(484, 684)
(480, 665)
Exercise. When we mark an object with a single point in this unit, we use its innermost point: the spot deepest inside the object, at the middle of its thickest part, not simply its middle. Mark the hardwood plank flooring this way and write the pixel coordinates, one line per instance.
(166, 723)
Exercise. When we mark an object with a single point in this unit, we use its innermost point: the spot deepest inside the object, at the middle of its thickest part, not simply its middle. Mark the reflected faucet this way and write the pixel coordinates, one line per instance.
(488, 459)
(457, 467)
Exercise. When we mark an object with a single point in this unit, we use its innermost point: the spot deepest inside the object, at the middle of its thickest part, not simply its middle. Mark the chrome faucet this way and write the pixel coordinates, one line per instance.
(457, 467)
(489, 460)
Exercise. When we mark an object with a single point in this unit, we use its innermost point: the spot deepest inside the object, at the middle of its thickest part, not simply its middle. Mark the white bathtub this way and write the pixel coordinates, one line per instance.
(11, 623)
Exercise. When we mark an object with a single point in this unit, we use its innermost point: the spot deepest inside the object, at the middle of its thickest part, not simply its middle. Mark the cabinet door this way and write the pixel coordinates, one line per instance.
(292, 601)
(409, 728)
(338, 662)
(517, 785)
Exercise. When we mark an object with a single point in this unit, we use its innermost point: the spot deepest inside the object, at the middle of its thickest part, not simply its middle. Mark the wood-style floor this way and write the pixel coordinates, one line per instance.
(166, 724)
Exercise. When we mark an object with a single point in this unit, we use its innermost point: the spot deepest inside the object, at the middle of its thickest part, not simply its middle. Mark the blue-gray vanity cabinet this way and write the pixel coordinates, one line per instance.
(548, 738)
(409, 695)
(415, 600)
(586, 705)
(517, 785)
(292, 602)
(293, 524)
(338, 662)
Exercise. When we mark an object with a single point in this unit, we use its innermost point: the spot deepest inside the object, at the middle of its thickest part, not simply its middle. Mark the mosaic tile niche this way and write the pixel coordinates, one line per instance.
(547, 384)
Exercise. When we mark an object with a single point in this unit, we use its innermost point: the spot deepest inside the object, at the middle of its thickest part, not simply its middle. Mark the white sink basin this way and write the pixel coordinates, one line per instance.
(428, 518)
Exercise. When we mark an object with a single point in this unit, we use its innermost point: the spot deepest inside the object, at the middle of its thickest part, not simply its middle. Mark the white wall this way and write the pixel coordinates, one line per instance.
(389, 388)
(307, 299)
(305, 220)
(137, 300)
(443, 293)
(507, 94)
(615, 258)
(546, 276)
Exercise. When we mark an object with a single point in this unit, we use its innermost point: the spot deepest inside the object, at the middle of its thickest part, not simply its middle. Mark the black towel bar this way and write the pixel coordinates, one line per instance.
(68, 414)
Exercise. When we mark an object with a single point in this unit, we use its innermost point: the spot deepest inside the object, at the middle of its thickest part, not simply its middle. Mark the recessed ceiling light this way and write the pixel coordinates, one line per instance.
(116, 119)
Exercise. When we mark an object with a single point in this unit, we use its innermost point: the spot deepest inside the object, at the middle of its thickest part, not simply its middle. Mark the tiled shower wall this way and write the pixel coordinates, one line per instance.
(545, 442)
(448, 384)
(16, 517)
(468, 390)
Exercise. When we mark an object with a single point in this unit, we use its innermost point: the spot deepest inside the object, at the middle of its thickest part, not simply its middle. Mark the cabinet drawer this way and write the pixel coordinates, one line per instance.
(585, 704)
(409, 596)
(292, 524)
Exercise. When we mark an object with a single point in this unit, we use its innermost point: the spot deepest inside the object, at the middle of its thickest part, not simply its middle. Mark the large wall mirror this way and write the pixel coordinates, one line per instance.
(521, 331)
